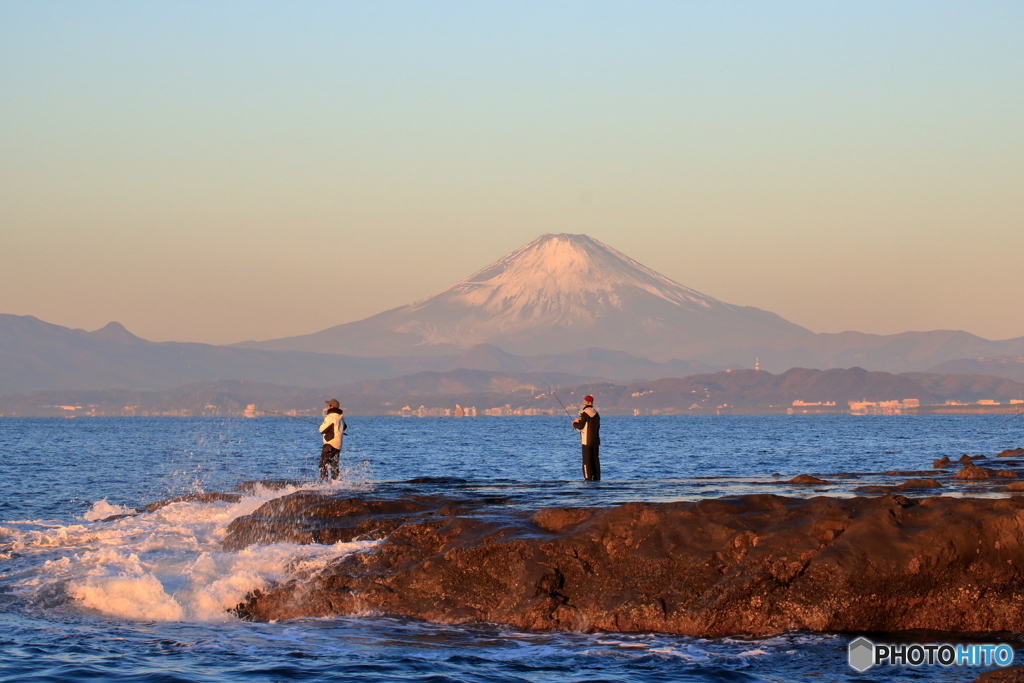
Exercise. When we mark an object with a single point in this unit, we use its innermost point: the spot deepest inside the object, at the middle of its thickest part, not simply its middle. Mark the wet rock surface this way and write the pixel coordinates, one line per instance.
(195, 498)
(972, 471)
(908, 485)
(806, 479)
(755, 564)
(309, 517)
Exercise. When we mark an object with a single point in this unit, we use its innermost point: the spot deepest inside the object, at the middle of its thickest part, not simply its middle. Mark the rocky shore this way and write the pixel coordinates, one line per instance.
(755, 564)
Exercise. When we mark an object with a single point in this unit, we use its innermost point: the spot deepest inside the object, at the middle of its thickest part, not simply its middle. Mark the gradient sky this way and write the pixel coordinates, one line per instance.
(227, 171)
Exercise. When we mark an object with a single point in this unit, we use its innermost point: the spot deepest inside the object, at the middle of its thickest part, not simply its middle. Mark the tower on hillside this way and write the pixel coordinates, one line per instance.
(757, 364)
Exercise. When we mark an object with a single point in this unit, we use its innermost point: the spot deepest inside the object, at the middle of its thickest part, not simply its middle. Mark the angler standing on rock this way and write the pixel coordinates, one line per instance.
(589, 425)
(332, 428)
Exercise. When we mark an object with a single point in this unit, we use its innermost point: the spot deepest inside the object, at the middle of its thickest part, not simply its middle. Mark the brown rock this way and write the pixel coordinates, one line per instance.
(1013, 674)
(806, 479)
(907, 485)
(972, 471)
(196, 498)
(307, 517)
(1013, 486)
(874, 488)
(756, 564)
(558, 520)
(941, 462)
(269, 484)
(1011, 453)
(920, 484)
(1006, 473)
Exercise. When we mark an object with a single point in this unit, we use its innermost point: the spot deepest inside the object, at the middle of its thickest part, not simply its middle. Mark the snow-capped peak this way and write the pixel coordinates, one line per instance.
(562, 270)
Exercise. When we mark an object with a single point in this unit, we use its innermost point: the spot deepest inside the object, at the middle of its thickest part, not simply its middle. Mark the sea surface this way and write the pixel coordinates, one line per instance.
(93, 587)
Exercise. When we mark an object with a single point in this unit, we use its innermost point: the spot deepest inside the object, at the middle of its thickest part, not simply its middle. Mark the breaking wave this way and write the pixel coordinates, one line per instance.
(164, 565)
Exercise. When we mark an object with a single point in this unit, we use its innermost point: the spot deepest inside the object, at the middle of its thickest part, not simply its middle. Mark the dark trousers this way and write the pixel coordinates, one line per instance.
(329, 458)
(591, 463)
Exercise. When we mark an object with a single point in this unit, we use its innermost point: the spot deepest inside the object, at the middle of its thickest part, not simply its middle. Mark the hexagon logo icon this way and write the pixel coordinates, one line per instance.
(862, 654)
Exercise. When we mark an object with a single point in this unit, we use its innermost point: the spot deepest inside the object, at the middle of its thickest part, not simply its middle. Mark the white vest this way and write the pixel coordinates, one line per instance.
(339, 426)
(586, 433)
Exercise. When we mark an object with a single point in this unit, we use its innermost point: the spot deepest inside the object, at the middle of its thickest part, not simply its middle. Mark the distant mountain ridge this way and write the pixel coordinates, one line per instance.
(934, 351)
(39, 356)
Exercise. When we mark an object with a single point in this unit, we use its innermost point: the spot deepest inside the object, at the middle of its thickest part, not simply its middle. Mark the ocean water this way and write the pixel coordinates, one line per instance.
(93, 587)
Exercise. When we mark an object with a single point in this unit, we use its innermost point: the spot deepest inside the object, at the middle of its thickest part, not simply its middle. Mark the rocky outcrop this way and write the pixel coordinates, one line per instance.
(972, 471)
(908, 485)
(806, 479)
(756, 564)
(919, 484)
(195, 498)
(1014, 674)
(306, 517)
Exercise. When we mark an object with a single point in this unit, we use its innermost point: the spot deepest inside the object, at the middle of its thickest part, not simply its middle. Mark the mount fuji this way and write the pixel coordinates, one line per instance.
(557, 294)
(564, 304)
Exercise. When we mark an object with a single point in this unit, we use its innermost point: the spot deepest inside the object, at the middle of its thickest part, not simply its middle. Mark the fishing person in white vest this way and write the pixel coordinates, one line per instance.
(589, 425)
(332, 429)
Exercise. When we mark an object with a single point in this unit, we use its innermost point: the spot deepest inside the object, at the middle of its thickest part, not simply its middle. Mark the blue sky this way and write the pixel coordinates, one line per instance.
(227, 171)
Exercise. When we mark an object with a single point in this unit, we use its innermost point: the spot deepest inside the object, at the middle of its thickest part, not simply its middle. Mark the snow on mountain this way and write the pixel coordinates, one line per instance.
(559, 276)
(558, 293)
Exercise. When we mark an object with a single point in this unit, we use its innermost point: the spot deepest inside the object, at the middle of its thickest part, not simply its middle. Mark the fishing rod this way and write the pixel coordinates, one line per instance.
(271, 412)
(559, 401)
(309, 422)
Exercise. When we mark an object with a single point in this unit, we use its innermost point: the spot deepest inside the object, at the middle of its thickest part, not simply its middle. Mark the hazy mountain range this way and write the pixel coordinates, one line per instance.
(40, 356)
(563, 303)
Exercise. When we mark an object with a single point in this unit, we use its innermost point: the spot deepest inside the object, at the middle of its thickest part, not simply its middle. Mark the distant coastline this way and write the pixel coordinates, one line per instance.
(667, 412)
(464, 394)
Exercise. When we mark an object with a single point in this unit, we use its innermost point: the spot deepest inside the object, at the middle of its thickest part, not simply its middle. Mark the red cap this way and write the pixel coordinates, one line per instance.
(588, 399)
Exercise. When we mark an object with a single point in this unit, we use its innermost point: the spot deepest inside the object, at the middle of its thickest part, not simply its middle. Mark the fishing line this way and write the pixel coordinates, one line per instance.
(271, 412)
(559, 402)
(1014, 417)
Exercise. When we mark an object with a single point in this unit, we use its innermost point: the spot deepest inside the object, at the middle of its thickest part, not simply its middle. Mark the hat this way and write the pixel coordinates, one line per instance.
(588, 399)
(333, 403)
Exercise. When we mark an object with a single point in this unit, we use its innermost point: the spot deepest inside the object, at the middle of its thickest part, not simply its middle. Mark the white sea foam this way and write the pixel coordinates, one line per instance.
(166, 565)
(101, 509)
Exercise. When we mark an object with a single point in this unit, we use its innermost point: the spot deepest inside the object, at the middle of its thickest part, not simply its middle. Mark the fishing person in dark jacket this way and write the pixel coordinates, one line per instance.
(589, 426)
(332, 429)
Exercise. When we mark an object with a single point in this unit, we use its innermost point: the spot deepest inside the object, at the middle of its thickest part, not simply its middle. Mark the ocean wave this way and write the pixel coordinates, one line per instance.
(165, 565)
(101, 510)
